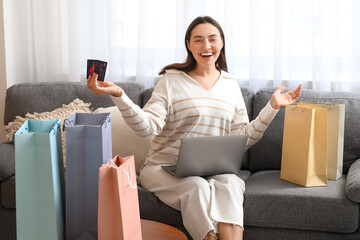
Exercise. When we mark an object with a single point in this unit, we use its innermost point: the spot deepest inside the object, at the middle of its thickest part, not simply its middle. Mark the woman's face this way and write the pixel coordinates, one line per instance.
(205, 44)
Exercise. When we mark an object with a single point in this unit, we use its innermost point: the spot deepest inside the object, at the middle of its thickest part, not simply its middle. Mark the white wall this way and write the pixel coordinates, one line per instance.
(3, 85)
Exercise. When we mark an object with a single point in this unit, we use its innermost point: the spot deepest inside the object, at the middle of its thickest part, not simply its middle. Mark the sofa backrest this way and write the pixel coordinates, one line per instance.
(41, 97)
(266, 154)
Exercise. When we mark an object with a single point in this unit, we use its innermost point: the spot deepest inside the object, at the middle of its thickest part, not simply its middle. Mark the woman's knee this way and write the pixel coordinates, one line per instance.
(197, 186)
(230, 179)
(153, 177)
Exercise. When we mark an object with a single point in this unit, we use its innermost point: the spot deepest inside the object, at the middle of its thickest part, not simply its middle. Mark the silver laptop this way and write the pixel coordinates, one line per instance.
(206, 156)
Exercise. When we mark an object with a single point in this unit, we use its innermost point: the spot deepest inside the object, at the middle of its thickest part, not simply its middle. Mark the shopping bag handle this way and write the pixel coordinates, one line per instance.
(298, 106)
(26, 130)
(53, 128)
(328, 105)
(104, 121)
(68, 122)
(129, 176)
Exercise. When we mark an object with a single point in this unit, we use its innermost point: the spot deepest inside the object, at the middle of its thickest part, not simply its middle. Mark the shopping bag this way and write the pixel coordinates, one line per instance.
(39, 181)
(118, 212)
(335, 137)
(88, 146)
(304, 149)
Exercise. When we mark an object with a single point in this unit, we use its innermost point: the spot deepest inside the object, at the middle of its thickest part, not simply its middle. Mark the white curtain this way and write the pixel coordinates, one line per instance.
(268, 42)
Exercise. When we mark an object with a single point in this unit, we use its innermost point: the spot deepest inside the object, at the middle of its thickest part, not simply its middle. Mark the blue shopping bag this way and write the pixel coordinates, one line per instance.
(88, 146)
(39, 181)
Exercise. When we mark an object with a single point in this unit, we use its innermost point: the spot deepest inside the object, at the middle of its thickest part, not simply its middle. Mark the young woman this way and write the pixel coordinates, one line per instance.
(196, 98)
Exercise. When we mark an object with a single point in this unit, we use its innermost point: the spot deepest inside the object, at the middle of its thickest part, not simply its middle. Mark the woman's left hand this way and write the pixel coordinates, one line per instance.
(279, 99)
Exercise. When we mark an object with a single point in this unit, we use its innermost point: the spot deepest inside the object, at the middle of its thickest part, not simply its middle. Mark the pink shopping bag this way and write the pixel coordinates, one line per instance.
(118, 210)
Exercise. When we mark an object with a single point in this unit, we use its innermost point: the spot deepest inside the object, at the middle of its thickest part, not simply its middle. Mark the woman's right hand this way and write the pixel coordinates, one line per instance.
(104, 88)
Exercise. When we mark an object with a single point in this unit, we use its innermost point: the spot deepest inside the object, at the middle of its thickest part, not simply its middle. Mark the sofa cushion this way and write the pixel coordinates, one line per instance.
(125, 142)
(352, 187)
(42, 97)
(272, 202)
(294, 234)
(8, 224)
(76, 106)
(270, 145)
(8, 193)
(152, 208)
(7, 160)
(147, 95)
(248, 96)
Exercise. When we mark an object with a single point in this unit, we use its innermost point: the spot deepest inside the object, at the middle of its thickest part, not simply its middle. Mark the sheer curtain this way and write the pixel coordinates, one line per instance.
(268, 42)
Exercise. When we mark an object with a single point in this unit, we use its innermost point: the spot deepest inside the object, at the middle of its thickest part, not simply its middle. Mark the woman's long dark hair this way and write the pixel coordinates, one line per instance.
(190, 62)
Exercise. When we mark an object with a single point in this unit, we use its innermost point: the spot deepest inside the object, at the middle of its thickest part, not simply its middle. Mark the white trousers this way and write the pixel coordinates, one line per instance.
(203, 202)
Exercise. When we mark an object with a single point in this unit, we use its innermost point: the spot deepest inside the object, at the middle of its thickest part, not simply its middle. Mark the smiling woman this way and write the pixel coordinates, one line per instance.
(194, 99)
(205, 41)
(203, 35)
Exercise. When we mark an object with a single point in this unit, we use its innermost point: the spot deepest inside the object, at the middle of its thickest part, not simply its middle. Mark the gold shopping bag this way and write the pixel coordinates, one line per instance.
(335, 137)
(304, 150)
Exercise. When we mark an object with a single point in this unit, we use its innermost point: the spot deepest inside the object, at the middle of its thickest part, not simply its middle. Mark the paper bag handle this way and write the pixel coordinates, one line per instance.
(53, 128)
(328, 105)
(67, 122)
(104, 121)
(129, 176)
(298, 106)
(26, 130)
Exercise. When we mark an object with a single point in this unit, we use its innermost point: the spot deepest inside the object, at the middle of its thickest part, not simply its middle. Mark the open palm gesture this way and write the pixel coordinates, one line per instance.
(279, 99)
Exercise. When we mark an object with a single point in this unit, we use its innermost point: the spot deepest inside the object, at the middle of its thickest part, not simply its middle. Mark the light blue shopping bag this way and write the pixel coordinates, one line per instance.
(88, 146)
(39, 181)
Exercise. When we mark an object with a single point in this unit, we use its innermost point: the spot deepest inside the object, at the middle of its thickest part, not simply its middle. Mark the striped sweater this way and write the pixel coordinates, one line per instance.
(180, 107)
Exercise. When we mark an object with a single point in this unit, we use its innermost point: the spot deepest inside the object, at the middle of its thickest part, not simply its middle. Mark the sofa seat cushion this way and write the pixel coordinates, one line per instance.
(272, 202)
(8, 193)
(7, 160)
(8, 224)
(152, 208)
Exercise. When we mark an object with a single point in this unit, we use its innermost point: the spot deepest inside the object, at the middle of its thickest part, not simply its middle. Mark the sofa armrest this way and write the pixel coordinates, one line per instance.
(7, 160)
(352, 187)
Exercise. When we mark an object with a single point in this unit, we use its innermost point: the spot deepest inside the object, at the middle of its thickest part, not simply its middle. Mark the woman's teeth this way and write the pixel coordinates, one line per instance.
(206, 54)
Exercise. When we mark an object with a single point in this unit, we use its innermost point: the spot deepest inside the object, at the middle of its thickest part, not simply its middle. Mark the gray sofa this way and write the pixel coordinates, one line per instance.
(273, 208)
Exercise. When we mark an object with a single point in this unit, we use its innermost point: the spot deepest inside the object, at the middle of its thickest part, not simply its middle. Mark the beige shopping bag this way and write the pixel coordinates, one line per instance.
(304, 151)
(335, 137)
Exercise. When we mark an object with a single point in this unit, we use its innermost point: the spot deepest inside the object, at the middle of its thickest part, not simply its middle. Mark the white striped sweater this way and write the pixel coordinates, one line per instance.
(180, 107)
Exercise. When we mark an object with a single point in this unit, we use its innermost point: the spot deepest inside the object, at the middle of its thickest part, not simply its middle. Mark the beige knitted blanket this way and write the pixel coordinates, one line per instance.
(76, 106)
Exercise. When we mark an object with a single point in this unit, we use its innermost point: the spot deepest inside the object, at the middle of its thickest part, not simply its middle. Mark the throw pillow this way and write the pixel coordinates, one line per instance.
(125, 142)
(76, 106)
(352, 187)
